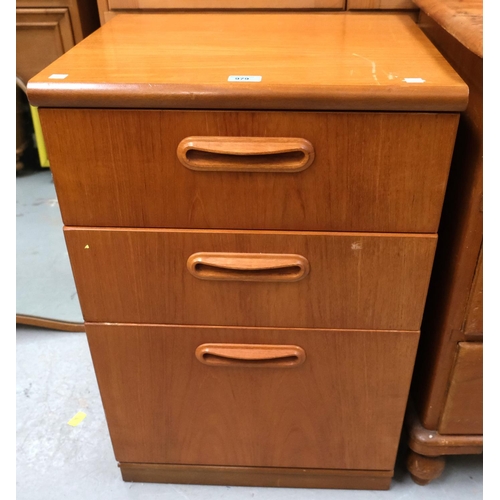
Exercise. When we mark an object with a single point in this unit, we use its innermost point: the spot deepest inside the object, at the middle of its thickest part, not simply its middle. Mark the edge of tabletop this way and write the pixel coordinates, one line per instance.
(450, 98)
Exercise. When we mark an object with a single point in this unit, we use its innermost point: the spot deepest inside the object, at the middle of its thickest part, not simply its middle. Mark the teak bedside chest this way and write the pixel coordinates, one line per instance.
(251, 204)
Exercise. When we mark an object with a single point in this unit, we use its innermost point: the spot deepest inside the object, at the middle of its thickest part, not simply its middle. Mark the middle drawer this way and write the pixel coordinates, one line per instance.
(251, 278)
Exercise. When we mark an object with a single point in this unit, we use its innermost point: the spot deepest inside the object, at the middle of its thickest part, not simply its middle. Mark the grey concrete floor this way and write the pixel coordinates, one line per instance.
(55, 380)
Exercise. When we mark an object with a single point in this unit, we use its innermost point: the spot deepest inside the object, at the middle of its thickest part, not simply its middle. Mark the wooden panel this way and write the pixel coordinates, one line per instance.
(372, 171)
(257, 476)
(431, 443)
(103, 7)
(462, 19)
(463, 410)
(460, 238)
(474, 320)
(342, 408)
(108, 15)
(42, 35)
(83, 13)
(225, 4)
(380, 4)
(355, 280)
(306, 61)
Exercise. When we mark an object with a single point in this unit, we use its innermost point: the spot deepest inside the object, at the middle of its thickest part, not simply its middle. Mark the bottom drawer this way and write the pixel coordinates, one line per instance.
(330, 399)
(463, 410)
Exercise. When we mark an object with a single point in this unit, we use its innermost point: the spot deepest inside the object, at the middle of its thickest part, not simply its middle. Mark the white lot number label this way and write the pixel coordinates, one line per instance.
(244, 78)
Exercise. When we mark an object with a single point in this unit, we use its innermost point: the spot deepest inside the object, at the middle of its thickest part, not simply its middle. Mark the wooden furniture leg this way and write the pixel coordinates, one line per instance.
(424, 469)
(428, 448)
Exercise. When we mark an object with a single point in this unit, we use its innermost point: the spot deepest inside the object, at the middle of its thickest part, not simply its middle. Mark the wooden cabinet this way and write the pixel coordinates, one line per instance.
(110, 8)
(251, 224)
(42, 36)
(46, 29)
(473, 326)
(380, 5)
(463, 409)
(448, 380)
(383, 6)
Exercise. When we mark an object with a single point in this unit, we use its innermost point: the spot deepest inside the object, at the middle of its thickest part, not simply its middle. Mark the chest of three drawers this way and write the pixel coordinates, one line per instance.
(252, 271)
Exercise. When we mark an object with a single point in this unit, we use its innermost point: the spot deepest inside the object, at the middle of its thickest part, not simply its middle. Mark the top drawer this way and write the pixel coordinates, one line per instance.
(383, 172)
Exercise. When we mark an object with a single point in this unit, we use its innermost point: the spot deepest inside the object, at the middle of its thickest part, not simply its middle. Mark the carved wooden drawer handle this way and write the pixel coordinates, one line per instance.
(248, 266)
(245, 154)
(258, 355)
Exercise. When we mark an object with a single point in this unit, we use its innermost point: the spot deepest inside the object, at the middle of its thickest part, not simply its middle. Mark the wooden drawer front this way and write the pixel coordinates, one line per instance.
(463, 410)
(380, 4)
(225, 4)
(371, 171)
(354, 280)
(341, 408)
(42, 35)
(473, 327)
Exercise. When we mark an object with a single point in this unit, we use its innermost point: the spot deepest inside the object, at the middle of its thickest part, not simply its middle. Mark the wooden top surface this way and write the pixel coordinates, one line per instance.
(463, 19)
(306, 61)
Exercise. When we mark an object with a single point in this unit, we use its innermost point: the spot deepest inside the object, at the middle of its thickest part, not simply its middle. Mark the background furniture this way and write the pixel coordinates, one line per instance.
(380, 5)
(46, 29)
(447, 386)
(383, 7)
(252, 260)
(22, 123)
(109, 8)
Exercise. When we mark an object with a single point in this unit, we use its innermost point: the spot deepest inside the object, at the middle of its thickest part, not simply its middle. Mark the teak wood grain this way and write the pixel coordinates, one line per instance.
(235, 336)
(473, 327)
(83, 14)
(45, 29)
(342, 408)
(224, 4)
(463, 410)
(431, 443)
(42, 35)
(367, 281)
(371, 171)
(257, 476)
(380, 4)
(460, 238)
(306, 61)
(462, 19)
(424, 469)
